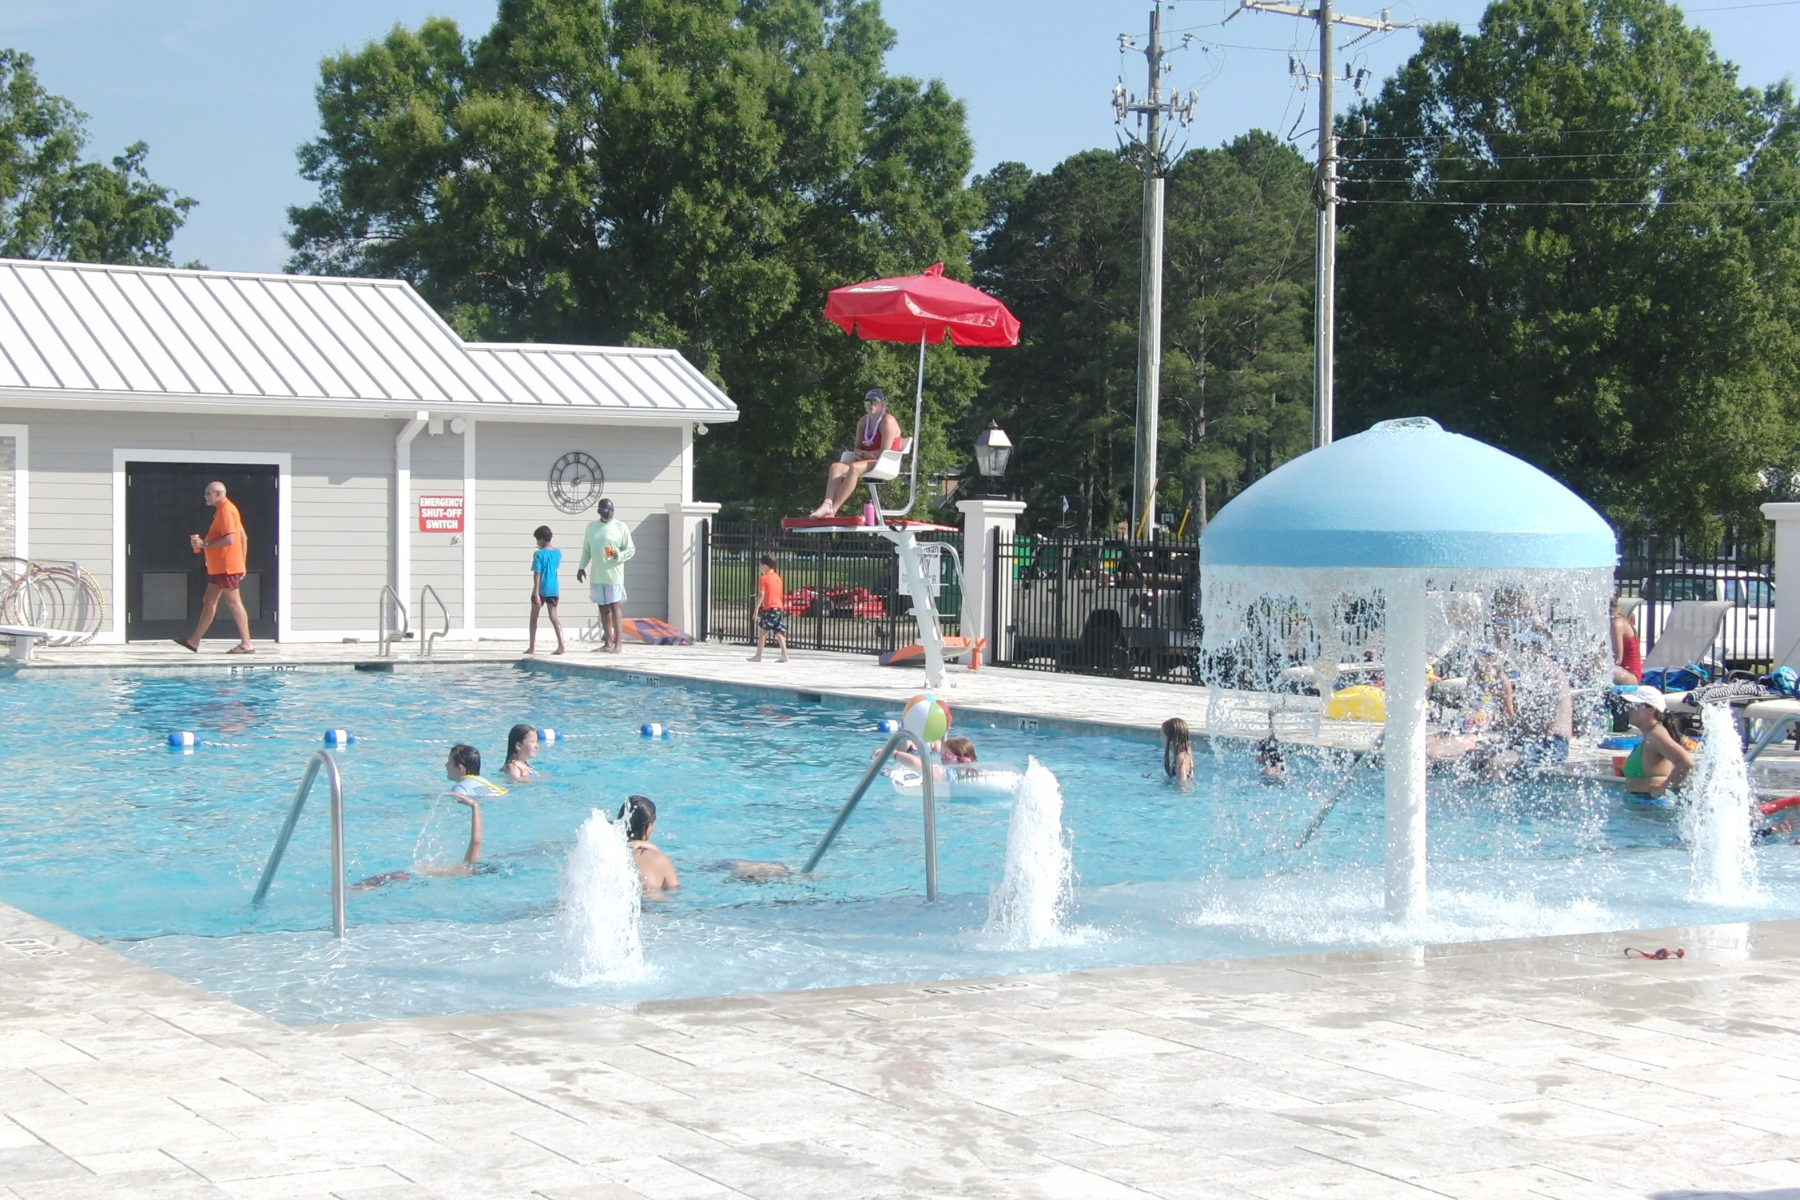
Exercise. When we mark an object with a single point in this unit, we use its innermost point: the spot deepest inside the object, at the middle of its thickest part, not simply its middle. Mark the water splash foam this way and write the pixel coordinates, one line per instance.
(1029, 909)
(599, 900)
(1715, 822)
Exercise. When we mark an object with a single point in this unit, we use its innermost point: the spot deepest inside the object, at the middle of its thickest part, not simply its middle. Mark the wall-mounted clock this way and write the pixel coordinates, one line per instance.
(576, 482)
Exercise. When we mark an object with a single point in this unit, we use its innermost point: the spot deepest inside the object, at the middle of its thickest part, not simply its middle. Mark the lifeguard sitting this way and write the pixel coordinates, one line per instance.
(876, 432)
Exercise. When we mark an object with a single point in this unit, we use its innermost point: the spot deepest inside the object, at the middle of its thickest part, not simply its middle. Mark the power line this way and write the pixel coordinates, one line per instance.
(1744, 203)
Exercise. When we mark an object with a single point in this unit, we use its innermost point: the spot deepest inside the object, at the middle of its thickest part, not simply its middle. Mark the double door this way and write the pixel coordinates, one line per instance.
(164, 579)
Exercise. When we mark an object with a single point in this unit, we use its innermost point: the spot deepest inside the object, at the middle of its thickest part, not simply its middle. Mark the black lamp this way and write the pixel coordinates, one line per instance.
(993, 450)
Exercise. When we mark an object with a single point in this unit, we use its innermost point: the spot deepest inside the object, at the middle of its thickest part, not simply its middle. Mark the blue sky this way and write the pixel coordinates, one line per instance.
(222, 89)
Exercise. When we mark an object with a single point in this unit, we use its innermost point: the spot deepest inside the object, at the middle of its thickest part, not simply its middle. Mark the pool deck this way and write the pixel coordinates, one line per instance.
(1545, 1068)
(1552, 1067)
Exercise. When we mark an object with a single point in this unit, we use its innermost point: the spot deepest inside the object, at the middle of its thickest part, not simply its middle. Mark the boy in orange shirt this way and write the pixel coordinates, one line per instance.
(771, 614)
(226, 548)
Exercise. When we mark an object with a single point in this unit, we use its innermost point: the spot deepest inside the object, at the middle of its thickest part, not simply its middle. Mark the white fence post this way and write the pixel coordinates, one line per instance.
(1786, 638)
(980, 519)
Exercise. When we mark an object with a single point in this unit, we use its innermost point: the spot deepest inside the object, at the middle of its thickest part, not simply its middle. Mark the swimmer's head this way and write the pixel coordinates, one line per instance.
(521, 742)
(1175, 734)
(543, 535)
(639, 815)
(961, 748)
(464, 760)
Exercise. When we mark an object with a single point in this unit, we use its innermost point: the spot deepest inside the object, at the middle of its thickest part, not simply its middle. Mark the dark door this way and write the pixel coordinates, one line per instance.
(164, 579)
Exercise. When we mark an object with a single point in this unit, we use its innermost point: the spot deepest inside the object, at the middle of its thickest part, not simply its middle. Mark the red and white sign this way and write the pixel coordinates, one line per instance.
(440, 514)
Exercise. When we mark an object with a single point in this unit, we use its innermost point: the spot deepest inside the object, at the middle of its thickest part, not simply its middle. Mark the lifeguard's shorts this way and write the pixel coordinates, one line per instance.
(606, 593)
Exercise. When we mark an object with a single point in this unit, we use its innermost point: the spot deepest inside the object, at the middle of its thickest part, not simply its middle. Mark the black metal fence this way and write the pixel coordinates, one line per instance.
(841, 590)
(1740, 569)
(1097, 606)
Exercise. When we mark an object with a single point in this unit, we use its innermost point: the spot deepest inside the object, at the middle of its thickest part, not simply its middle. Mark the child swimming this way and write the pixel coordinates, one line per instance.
(463, 769)
(654, 868)
(521, 748)
(1178, 750)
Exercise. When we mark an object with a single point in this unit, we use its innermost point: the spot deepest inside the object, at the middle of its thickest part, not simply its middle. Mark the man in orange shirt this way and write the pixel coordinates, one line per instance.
(226, 547)
(771, 610)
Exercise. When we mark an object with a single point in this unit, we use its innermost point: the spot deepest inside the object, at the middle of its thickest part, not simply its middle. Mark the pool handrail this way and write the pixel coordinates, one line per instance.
(320, 759)
(404, 630)
(429, 641)
(927, 791)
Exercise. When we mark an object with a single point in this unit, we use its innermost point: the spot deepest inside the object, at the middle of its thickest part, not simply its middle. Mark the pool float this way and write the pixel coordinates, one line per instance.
(1359, 702)
(962, 779)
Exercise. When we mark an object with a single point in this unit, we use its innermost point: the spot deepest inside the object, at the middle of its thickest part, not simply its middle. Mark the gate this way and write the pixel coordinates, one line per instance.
(841, 590)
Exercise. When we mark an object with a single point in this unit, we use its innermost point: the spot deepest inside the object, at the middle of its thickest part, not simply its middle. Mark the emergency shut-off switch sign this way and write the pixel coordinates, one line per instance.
(440, 514)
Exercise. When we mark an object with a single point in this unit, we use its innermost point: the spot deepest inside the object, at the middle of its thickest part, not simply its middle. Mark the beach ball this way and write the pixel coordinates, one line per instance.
(926, 717)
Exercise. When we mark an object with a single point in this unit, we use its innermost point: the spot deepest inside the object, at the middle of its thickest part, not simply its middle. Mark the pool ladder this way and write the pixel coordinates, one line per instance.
(321, 760)
(927, 790)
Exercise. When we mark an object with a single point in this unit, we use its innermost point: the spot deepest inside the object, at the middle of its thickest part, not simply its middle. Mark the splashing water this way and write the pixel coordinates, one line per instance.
(599, 899)
(1716, 820)
(1027, 910)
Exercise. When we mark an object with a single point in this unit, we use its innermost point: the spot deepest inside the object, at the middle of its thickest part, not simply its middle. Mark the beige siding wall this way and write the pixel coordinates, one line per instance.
(341, 504)
(513, 461)
(437, 558)
(339, 499)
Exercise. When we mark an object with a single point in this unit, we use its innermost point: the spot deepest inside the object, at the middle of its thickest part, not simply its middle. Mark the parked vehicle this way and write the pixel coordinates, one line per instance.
(1749, 626)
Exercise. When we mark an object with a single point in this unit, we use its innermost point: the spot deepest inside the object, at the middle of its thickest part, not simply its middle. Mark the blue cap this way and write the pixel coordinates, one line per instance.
(1407, 494)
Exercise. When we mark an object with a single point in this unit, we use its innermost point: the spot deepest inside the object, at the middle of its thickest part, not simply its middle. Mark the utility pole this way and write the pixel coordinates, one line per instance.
(1325, 192)
(1150, 111)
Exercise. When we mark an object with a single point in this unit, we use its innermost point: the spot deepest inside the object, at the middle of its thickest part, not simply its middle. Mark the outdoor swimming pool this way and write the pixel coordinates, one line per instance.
(109, 833)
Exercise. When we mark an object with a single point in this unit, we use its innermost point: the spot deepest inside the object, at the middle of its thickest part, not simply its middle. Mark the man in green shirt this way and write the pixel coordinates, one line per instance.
(607, 545)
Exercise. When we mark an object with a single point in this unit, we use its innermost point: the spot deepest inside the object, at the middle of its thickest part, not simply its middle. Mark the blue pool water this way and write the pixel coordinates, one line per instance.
(108, 832)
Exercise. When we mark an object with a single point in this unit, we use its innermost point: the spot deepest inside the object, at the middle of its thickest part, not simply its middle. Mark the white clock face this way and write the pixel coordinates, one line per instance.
(576, 482)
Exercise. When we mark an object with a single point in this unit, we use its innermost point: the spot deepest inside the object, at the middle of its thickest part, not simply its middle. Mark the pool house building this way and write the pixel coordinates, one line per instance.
(366, 444)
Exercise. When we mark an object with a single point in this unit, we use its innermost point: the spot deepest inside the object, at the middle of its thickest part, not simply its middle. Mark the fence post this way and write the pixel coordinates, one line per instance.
(1786, 640)
(685, 562)
(982, 599)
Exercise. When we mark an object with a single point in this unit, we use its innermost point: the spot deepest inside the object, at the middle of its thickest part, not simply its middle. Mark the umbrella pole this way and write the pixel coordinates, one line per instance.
(912, 483)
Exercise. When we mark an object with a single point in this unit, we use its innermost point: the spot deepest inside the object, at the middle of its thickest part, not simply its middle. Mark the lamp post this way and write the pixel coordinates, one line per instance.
(993, 450)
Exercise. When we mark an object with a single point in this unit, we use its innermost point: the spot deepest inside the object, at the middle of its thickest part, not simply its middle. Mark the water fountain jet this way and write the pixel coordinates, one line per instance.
(1399, 513)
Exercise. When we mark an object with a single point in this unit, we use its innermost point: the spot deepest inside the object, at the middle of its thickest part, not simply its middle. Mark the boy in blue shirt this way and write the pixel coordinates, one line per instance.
(545, 591)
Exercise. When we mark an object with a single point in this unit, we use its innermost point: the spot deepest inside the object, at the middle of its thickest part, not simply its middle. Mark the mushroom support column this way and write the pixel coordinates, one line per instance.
(1396, 510)
(1404, 743)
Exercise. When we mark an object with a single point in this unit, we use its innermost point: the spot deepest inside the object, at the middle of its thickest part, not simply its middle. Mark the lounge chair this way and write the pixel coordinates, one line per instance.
(1689, 634)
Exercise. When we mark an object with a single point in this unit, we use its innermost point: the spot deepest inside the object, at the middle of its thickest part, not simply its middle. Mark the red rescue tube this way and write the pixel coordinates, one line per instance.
(1767, 807)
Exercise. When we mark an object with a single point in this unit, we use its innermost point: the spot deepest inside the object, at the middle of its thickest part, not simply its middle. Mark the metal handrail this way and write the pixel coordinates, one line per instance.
(927, 789)
(320, 759)
(427, 643)
(381, 618)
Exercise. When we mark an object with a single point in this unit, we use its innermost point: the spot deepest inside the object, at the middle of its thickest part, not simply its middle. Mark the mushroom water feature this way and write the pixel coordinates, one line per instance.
(1442, 535)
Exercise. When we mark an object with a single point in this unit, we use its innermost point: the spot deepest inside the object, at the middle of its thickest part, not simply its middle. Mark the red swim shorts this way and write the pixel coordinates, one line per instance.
(228, 582)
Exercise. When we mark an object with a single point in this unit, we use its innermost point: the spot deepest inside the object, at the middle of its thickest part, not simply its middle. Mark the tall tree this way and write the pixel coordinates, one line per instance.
(1063, 250)
(687, 173)
(1572, 233)
(52, 204)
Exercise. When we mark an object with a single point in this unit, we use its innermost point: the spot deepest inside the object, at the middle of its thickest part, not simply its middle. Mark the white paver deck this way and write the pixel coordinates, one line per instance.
(1543, 1068)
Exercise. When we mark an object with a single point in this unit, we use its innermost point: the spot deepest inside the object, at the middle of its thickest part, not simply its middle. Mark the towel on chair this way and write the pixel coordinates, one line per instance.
(653, 632)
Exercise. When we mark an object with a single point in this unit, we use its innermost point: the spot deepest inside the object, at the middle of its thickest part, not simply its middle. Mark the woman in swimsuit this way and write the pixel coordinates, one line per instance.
(654, 867)
(876, 432)
(1659, 762)
(1628, 657)
(521, 748)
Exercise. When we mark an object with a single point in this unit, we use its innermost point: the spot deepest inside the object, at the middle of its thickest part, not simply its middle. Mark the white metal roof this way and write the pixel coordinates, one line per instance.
(532, 373)
(179, 339)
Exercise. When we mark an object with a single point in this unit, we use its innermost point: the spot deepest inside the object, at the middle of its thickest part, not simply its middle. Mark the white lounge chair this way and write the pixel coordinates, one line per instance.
(1689, 634)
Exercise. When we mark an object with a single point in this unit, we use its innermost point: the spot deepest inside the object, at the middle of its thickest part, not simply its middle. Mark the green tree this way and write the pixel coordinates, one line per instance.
(1063, 250)
(686, 173)
(1572, 233)
(53, 205)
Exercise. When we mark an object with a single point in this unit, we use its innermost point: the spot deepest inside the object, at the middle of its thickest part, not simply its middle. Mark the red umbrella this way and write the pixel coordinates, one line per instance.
(921, 308)
(928, 307)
